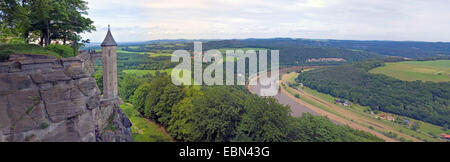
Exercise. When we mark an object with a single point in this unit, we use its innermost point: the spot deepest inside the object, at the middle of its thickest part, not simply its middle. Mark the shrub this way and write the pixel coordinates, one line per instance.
(62, 50)
(7, 49)
(44, 126)
(17, 41)
(4, 54)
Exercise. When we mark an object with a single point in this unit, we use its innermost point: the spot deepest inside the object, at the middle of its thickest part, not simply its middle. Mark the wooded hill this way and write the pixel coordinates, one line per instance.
(426, 101)
(409, 49)
(295, 54)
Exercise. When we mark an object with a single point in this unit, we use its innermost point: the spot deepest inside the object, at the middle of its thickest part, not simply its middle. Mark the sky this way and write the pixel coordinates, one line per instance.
(143, 20)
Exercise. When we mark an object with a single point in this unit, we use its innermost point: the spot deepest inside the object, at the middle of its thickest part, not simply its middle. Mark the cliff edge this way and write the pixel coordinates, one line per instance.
(43, 98)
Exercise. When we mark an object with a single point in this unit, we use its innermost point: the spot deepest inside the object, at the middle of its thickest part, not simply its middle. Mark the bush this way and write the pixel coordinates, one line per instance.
(7, 49)
(17, 41)
(4, 55)
(62, 50)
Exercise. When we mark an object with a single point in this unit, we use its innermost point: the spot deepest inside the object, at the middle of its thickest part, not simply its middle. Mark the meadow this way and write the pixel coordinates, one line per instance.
(143, 72)
(435, 71)
(144, 130)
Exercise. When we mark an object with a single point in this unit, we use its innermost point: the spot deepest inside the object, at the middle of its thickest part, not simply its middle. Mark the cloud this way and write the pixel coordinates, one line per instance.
(140, 20)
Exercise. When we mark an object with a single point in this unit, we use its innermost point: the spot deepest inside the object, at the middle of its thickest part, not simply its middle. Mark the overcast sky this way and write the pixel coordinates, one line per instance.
(141, 20)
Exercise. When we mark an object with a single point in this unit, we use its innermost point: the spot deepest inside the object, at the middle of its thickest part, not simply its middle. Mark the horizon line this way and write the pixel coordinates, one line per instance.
(219, 39)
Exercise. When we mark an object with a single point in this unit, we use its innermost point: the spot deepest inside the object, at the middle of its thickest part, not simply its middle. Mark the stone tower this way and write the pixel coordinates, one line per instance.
(109, 59)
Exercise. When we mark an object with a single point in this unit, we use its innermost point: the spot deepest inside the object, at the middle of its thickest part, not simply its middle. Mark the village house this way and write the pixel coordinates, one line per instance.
(346, 103)
(342, 102)
(390, 118)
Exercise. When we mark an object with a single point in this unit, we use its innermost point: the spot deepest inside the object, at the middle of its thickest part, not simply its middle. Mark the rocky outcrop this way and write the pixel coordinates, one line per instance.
(43, 98)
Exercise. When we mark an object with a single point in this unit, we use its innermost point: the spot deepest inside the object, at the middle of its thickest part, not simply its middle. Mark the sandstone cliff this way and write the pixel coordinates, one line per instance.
(43, 98)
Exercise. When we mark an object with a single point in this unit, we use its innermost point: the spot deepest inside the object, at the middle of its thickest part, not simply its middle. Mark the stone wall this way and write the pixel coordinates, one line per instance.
(43, 98)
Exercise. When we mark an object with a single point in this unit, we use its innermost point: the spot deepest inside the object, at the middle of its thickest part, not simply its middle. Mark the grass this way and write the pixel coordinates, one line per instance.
(8, 49)
(143, 72)
(119, 50)
(425, 132)
(152, 72)
(152, 54)
(144, 130)
(158, 54)
(435, 71)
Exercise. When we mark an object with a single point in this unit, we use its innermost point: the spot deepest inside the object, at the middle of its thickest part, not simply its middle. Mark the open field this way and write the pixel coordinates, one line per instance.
(143, 72)
(151, 54)
(158, 54)
(120, 50)
(223, 50)
(435, 71)
(360, 117)
(144, 130)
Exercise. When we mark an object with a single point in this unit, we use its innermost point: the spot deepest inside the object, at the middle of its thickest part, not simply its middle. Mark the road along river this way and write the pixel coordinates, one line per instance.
(298, 106)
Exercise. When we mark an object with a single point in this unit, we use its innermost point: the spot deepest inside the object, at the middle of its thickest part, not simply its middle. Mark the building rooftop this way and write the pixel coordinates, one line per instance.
(109, 40)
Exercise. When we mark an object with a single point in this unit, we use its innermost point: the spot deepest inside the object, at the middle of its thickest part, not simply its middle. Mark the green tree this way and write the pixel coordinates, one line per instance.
(139, 97)
(172, 94)
(415, 126)
(265, 120)
(128, 85)
(50, 19)
(14, 18)
(99, 78)
(181, 125)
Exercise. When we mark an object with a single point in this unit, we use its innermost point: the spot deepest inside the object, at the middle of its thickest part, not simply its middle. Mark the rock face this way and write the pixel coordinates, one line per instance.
(43, 98)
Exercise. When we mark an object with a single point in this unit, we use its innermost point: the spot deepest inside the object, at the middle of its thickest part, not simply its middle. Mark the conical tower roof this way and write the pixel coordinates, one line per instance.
(109, 40)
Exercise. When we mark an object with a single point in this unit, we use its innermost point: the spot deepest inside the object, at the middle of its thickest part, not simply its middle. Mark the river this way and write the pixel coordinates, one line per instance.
(296, 108)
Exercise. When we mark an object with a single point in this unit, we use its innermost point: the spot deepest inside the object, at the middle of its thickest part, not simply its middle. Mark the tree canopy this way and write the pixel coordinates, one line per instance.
(231, 113)
(45, 20)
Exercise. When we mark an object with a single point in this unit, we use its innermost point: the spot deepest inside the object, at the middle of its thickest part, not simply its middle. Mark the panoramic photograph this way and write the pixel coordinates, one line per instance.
(252, 73)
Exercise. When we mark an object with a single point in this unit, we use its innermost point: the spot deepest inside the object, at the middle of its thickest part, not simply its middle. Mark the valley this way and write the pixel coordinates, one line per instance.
(361, 117)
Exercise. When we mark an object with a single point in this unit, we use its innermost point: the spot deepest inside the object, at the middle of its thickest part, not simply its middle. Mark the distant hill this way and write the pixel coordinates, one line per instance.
(409, 49)
(294, 53)
(299, 51)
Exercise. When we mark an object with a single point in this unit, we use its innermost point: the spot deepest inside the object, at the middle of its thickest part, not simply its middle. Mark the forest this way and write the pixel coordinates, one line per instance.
(409, 49)
(425, 101)
(290, 55)
(229, 113)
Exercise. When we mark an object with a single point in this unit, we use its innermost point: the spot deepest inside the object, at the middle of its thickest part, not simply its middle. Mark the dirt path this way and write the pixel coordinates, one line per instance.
(161, 128)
